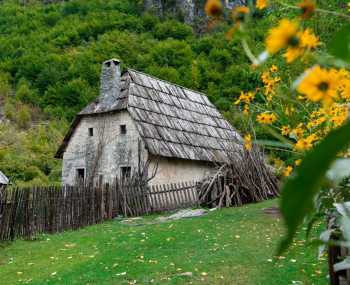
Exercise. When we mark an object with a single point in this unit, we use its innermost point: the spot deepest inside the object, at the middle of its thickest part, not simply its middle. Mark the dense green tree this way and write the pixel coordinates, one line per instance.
(50, 58)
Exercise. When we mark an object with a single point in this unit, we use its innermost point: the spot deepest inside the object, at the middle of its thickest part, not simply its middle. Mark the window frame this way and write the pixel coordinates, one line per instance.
(125, 172)
(78, 174)
(122, 129)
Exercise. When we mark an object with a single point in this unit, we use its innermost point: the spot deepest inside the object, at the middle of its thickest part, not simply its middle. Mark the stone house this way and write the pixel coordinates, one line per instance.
(139, 118)
(4, 181)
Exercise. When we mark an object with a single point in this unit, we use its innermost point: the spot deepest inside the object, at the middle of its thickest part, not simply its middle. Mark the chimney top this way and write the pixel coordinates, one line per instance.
(115, 61)
(110, 82)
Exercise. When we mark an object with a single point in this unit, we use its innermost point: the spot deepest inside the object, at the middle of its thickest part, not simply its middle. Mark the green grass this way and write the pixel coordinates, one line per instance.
(228, 246)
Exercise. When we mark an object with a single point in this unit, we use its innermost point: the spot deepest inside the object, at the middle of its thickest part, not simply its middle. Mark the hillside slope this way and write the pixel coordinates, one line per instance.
(50, 56)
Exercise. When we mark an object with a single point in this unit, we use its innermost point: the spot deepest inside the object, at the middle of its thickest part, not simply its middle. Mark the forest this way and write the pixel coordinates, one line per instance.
(51, 55)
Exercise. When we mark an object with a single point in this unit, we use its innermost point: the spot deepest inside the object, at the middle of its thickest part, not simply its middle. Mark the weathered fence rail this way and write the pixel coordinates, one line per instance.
(25, 212)
(173, 196)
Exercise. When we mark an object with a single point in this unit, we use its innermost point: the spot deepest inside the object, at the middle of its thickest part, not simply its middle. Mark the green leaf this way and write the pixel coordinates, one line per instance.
(299, 191)
(339, 46)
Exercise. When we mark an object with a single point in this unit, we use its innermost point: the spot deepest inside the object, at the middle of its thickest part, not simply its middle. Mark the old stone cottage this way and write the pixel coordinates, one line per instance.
(4, 181)
(140, 118)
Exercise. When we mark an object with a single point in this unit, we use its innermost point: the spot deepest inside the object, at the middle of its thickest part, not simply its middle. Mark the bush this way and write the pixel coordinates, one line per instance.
(172, 29)
(25, 94)
(9, 110)
(23, 117)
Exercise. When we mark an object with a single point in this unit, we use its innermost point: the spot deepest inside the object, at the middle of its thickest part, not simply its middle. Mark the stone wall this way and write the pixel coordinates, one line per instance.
(120, 151)
(174, 170)
(117, 150)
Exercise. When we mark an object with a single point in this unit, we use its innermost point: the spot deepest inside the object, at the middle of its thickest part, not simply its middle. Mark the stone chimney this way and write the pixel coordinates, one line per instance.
(110, 81)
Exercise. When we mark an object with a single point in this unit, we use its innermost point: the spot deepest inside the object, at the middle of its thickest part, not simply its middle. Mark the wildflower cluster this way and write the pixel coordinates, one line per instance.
(246, 98)
(266, 118)
(270, 81)
(318, 100)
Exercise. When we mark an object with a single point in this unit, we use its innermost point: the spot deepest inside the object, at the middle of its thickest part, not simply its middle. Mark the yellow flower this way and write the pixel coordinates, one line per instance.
(302, 145)
(298, 132)
(319, 84)
(349, 6)
(287, 35)
(309, 40)
(287, 171)
(270, 83)
(246, 109)
(273, 68)
(266, 118)
(239, 13)
(248, 142)
(305, 143)
(338, 114)
(293, 53)
(316, 122)
(297, 162)
(285, 130)
(344, 84)
(261, 4)
(213, 8)
(301, 42)
(245, 97)
(307, 8)
(281, 36)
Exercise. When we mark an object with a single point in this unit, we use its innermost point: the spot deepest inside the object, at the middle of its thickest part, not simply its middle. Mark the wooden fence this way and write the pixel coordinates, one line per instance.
(173, 196)
(337, 254)
(25, 212)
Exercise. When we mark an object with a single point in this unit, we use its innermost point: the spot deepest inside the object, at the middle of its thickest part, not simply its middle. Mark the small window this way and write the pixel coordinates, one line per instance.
(125, 172)
(91, 132)
(123, 129)
(100, 180)
(80, 174)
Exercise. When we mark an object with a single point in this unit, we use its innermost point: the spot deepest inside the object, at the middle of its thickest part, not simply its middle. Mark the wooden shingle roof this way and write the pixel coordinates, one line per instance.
(173, 121)
(178, 122)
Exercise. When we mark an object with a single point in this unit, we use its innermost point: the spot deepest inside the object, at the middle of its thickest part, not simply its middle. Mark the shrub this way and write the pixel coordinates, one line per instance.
(172, 29)
(23, 117)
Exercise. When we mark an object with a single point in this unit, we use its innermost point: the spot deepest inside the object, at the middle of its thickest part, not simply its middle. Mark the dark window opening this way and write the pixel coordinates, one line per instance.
(100, 180)
(123, 129)
(81, 174)
(91, 132)
(125, 172)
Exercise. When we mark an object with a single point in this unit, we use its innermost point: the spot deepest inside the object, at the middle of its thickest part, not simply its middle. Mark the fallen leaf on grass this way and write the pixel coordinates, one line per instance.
(185, 274)
(121, 274)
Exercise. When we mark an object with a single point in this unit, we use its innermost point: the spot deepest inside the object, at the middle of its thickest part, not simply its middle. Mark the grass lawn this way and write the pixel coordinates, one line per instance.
(228, 246)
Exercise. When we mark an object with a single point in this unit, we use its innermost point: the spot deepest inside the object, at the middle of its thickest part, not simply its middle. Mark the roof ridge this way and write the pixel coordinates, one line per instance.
(171, 83)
